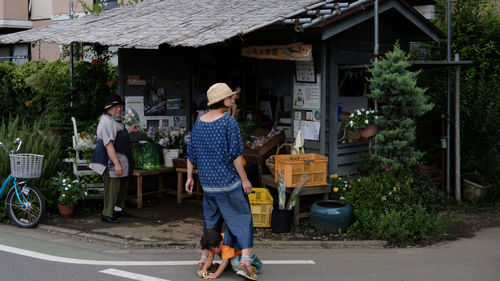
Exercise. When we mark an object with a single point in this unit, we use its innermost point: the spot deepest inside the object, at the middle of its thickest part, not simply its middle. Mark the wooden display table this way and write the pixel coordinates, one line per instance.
(268, 180)
(181, 184)
(142, 173)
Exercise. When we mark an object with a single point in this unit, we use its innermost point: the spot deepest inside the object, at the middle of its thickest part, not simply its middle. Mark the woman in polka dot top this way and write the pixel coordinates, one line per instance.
(215, 147)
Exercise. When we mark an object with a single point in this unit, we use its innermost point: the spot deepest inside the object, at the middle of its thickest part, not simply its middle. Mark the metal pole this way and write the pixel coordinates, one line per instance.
(71, 59)
(375, 18)
(448, 110)
(457, 130)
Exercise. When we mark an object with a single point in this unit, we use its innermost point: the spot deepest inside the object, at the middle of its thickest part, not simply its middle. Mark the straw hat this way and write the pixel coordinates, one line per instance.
(218, 92)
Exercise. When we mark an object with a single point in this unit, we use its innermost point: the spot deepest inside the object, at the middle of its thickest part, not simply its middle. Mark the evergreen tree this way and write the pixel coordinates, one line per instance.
(400, 101)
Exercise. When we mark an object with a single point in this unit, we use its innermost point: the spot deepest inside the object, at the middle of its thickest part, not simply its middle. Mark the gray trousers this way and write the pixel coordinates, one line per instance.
(115, 193)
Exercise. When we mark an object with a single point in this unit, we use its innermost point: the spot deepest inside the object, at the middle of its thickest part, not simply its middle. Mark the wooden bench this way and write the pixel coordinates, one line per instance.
(142, 173)
(181, 184)
(268, 180)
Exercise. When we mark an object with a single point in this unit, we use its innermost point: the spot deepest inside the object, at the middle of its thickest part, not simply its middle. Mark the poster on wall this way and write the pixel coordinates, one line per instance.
(155, 102)
(304, 71)
(307, 96)
(137, 103)
(310, 129)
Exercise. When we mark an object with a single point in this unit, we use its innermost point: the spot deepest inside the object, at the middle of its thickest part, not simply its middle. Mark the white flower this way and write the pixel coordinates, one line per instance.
(384, 198)
(351, 123)
(65, 188)
(366, 121)
(64, 180)
(85, 193)
(358, 112)
(352, 115)
(63, 195)
(341, 198)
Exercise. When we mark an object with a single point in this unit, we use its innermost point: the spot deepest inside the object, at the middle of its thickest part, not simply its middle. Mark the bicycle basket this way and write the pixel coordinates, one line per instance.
(26, 166)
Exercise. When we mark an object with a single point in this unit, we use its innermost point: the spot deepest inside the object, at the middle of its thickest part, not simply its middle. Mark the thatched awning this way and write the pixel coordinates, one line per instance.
(151, 23)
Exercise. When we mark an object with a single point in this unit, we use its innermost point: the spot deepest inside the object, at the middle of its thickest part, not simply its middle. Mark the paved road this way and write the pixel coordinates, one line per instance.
(40, 255)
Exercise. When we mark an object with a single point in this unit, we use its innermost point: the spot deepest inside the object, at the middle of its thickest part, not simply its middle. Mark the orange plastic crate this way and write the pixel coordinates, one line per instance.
(261, 204)
(294, 166)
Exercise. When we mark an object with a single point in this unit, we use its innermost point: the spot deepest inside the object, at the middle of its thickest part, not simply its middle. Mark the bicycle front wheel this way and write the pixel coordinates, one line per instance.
(29, 213)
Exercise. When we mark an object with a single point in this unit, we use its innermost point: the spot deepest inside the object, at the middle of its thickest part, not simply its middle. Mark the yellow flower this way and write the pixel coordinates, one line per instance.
(340, 178)
(334, 176)
(335, 189)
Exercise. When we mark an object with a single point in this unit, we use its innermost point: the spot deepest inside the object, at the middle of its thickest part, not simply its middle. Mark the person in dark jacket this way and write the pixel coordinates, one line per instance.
(112, 158)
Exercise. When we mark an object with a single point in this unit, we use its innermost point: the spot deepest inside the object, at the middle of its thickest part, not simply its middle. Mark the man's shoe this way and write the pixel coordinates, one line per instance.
(121, 214)
(247, 272)
(105, 218)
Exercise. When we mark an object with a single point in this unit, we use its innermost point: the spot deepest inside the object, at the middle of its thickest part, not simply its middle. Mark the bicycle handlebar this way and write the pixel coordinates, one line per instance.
(18, 142)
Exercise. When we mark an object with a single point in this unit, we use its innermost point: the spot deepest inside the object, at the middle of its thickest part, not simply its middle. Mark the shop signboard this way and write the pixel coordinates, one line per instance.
(295, 52)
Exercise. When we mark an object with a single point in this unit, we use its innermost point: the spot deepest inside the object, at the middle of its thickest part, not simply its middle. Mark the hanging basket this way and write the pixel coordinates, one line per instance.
(270, 162)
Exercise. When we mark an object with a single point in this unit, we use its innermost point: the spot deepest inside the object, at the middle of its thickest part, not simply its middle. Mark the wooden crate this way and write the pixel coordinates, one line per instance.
(294, 166)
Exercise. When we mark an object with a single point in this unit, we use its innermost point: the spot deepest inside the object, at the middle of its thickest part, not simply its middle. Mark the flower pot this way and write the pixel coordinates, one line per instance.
(368, 131)
(474, 191)
(65, 211)
(331, 215)
(169, 154)
(280, 220)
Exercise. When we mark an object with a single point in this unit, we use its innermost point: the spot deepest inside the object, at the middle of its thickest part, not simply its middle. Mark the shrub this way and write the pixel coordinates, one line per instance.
(36, 141)
(401, 208)
(402, 226)
(394, 87)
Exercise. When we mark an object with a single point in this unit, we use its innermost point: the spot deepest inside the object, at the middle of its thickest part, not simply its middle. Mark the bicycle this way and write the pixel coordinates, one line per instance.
(24, 203)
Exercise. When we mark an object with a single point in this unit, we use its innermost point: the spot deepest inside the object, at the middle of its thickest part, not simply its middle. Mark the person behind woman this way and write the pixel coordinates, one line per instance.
(215, 147)
(112, 158)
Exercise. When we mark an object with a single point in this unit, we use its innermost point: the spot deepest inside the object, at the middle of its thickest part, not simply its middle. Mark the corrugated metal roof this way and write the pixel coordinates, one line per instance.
(151, 23)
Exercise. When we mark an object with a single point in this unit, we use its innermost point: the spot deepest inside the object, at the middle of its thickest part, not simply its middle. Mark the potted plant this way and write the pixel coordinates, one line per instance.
(363, 120)
(172, 141)
(71, 191)
(334, 214)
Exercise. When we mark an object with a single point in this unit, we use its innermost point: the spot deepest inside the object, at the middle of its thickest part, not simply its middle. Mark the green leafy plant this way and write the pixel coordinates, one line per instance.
(36, 140)
(71, 191)
(360, 119)
(339, 186)
(400, 101)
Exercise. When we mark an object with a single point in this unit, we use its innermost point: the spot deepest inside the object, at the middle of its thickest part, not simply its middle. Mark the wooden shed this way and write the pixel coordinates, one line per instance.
(183, 47)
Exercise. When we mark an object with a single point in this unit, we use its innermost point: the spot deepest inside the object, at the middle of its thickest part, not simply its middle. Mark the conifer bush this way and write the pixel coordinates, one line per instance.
(400, 101)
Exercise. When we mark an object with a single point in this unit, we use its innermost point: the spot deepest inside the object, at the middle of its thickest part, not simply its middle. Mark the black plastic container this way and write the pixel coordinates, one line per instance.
(281, 219)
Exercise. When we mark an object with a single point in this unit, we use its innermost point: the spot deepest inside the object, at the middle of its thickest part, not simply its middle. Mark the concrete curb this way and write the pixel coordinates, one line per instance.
(345, 244)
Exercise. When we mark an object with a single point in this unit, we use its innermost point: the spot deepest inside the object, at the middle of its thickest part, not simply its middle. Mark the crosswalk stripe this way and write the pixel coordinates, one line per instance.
(130, 275)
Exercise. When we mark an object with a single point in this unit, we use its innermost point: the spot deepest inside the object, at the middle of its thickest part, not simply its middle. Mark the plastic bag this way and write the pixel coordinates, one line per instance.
(145, 156)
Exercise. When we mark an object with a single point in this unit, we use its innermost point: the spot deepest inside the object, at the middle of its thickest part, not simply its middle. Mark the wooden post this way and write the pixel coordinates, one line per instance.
(457, 131)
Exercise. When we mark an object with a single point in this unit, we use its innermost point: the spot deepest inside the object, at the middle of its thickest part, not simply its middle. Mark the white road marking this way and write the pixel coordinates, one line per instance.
(130, 275)
(46, 257)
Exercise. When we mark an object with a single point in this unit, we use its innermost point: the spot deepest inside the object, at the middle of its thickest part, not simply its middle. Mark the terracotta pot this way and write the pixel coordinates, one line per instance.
(65, 211)
(368, 131)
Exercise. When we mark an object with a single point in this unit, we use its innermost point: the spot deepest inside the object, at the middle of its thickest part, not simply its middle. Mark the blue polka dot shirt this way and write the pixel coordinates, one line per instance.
(212, 148)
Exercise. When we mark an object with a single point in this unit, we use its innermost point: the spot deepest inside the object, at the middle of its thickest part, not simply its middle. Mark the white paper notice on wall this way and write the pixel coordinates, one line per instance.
(310, 129)
(307, 96)
(137, 103)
